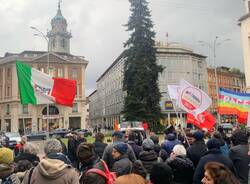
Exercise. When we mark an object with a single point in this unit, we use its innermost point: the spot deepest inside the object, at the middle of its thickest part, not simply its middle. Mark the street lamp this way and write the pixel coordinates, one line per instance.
(213, 48)
(41, 34)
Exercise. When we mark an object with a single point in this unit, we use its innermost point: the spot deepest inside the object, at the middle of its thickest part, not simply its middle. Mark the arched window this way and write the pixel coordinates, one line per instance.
(53, 110)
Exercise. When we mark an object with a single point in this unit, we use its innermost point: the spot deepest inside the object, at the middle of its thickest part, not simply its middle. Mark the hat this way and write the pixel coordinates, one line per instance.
(85, 151)
(121, 148)
(171, 137)
(198, 135)
(118, 134)
(213, 143)
(6, 156)
(148, 144)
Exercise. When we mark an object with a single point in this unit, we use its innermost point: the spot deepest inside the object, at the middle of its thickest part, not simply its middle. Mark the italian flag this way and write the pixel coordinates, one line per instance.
(36, 87)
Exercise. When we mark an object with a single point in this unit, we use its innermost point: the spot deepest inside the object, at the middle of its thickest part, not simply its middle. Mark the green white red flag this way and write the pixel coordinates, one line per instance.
(36, 87)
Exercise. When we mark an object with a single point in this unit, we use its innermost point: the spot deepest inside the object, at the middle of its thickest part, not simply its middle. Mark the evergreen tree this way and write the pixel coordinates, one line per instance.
(140, 69)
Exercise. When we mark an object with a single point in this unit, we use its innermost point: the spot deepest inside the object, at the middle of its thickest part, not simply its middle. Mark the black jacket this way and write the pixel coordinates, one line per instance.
(148, 158)
(196, 151)
(33, 159)
(122, 166)
(239, 155)
(99, 148)
(183, 169)
(213, 155)
(136, 148)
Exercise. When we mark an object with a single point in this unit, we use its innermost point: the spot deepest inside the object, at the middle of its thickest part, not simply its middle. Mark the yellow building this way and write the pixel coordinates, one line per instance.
(17, 117)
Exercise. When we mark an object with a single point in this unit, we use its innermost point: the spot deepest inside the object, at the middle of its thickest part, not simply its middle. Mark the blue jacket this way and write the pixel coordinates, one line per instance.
(168, 145)
(213, 155)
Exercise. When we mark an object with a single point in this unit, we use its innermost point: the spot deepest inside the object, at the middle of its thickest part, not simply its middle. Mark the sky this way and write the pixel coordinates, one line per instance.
(98, 30)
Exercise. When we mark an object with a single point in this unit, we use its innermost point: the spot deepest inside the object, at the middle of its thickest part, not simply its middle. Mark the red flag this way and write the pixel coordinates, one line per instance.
(116, 125)
(204, 120)
(145, 125)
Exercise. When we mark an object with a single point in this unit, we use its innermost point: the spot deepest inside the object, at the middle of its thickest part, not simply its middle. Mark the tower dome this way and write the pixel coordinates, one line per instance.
(59, 37)
(58, 18)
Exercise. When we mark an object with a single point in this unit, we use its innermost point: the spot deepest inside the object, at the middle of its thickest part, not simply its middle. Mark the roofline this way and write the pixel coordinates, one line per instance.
(183, 53)
(244, 17)
(92, 93)
(116, 61)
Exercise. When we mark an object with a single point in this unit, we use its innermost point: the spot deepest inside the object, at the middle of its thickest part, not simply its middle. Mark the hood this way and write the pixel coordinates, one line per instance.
(5, 170)
(52, 168)
(148, 155)
(171, 137)
(59, 156)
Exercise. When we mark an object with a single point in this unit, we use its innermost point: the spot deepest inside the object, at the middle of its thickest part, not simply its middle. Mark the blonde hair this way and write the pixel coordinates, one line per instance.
(130, 178)
(179, 150)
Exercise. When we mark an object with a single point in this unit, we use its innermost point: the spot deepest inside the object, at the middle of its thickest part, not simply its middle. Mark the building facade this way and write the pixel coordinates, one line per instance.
(25, 118)
(179, 62)
(244, 23)
(228, 78)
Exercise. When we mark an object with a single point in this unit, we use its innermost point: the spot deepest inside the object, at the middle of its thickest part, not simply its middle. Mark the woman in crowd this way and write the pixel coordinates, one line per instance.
(130, 179)
(183, 168)
(99, 145)
(216, 173)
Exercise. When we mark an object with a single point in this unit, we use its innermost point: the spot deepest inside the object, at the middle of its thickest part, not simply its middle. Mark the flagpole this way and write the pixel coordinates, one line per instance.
(41, 34)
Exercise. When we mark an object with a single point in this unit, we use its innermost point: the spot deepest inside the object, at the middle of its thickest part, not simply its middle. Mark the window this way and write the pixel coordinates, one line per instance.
(199, 64)
(8, 72)
(75, 107)
(74, 73)
(52, 71)
(60, 72)
(7, 94)
(41, 69)
(54, 42)
(63, 43)
(7, 109)
(25, 109)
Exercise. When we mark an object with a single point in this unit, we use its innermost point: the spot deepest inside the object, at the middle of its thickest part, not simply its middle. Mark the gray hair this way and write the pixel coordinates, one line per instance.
(179, 150)
(31, 148)
(52, 146)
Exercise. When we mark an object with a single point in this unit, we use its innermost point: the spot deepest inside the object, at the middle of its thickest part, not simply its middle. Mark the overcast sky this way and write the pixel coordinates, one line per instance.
(99, 34)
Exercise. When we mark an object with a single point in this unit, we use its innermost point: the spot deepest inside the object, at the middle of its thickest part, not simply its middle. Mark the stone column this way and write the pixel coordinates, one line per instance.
(34, 119)
(83, 114)
(14, 83)
(14, 116)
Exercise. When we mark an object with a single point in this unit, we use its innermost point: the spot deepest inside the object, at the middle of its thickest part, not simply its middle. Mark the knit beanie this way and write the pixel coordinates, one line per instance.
(121, 148)
(148, 144)
(198, 135)
(117, 134)
(213, 143)
(6, 156)
(85, 151)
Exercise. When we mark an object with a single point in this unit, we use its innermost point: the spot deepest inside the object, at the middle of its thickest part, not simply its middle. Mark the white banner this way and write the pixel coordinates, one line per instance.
(173, 91)
(192, 99)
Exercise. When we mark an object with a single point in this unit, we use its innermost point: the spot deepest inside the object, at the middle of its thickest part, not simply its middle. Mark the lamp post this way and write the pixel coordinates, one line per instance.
(213, 48)
(41, 34)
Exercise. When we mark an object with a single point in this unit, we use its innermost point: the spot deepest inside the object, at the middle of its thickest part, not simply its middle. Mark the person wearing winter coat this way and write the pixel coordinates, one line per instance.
(170, 142)
(148, 156)
(7, 168)
(239, 154)
(224, 147)
(73, 142)
(122, 165)
(30, 151)
(198, 148)
(214, 154)
(89, 159)
(183, 168)
(99, 145)
(132, 142)
(107, 154)
(53, 168)
(158, 149)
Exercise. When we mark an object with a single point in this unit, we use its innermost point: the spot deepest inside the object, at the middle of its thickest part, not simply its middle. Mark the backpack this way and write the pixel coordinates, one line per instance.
(109, 176)
(7, 180)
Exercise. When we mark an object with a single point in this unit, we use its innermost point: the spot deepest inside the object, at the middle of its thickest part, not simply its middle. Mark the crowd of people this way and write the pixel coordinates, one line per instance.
(191, 158)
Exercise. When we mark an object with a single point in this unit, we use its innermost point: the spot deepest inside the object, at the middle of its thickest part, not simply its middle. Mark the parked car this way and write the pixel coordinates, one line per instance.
(85, 132)
(42, 135)
(12, 138)
(3, 139)
(60, 131)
